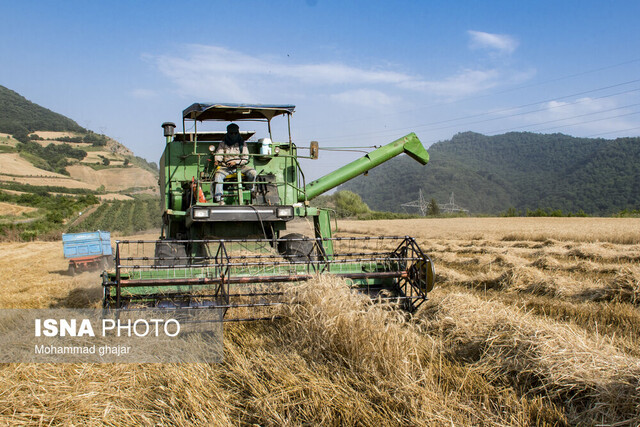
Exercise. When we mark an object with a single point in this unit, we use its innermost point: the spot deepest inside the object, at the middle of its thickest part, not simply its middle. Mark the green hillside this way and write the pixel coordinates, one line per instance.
(489, 174)
(124, 216)
(20, 116)
(54, 208)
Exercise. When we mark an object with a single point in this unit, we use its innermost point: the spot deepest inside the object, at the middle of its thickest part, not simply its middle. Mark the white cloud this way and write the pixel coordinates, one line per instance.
(578, 110)
(469, 82)
(144, 93)
(501, 43)
(365, 98)
(236, 76)
(217, 73)
(464, 83)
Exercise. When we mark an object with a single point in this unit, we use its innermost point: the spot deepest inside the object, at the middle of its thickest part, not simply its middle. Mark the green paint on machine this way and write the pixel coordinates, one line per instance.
(233, 253)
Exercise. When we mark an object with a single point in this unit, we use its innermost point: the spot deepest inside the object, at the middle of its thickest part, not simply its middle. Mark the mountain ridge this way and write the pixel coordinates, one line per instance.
(19, 116)
(523, 170)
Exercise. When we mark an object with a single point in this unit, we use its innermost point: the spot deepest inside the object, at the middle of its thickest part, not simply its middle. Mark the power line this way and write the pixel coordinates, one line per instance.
(544, 101)
(613, 131)
(569, 118)
(591, 121)
(569, 76)
(559, 120)
(555, 127)
(497, 112)
(544, 109)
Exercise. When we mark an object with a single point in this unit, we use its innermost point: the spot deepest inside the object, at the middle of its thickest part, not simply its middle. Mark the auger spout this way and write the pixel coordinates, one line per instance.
(409, 144)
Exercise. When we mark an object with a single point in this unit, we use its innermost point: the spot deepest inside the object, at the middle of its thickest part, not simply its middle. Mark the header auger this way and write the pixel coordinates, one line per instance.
(227, 246)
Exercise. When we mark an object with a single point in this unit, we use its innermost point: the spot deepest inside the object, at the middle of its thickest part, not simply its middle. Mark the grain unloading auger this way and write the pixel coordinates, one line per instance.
(235, 254)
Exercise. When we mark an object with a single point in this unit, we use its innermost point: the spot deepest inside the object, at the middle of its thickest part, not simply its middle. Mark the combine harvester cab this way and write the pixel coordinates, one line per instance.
(237, 255)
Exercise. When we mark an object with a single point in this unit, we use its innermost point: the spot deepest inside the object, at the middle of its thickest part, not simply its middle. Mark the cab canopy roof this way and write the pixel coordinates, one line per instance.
(235, 112)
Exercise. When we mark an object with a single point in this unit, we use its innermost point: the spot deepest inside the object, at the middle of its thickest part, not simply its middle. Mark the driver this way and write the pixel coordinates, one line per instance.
(232, 153)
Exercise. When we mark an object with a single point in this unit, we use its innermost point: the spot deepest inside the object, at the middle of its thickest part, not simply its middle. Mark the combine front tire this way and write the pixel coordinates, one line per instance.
(170, 254)
(296, 247)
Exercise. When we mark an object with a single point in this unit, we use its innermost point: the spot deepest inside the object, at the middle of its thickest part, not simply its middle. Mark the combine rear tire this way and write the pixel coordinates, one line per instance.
(170, 254)
(293, 249)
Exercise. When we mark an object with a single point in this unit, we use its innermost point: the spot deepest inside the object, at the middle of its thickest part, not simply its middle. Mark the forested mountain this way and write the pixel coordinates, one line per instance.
(21, 116)
(490, 174)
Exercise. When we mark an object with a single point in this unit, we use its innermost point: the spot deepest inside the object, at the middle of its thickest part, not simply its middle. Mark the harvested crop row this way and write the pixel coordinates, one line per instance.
(618, 323)
(333, 359)
(590, 378)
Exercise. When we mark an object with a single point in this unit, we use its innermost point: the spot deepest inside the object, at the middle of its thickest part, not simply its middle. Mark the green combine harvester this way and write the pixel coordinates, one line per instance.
(239, 253)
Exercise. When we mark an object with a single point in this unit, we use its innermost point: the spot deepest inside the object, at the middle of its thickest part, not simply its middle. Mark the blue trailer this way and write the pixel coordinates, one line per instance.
(87, 251)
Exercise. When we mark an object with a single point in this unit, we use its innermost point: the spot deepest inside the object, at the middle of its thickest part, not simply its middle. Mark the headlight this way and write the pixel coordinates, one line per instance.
(201, 213)
(282, 212)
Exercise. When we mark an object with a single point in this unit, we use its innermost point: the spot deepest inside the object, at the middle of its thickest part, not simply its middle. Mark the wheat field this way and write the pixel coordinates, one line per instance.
(533, 321)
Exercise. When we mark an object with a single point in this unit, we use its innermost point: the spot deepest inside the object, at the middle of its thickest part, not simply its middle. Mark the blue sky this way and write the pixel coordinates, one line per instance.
(360, 73)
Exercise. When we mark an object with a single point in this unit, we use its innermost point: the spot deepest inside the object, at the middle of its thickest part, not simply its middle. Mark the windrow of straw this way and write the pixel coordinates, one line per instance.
(517, 279)
(618, 323)
(590, 378)
(624, 288)
(582, 272)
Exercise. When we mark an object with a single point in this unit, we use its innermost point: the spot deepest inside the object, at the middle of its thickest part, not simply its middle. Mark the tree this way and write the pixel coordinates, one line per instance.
(106, 161)
(21, 135)
(432, 208)
(349, 203)
(511, 212)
